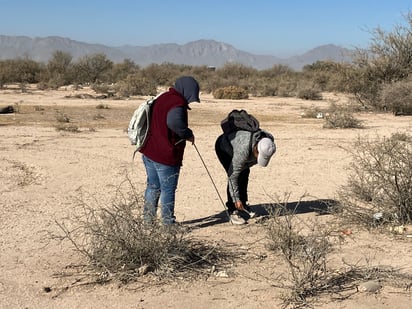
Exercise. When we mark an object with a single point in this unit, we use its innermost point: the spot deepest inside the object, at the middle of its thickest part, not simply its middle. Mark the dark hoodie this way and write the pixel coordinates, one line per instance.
(169, 123)
(188, 87)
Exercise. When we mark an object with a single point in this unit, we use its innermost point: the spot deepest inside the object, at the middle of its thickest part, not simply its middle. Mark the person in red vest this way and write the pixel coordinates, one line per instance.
(163, 151)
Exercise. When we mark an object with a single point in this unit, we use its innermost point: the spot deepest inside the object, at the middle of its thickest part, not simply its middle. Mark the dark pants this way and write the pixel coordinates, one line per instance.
(243, 180)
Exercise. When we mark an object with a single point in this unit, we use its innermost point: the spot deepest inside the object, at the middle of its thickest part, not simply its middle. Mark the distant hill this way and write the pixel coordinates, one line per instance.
(201, 52)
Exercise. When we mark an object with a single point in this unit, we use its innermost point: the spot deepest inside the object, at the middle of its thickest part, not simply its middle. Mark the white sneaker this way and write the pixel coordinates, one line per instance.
(236, 219)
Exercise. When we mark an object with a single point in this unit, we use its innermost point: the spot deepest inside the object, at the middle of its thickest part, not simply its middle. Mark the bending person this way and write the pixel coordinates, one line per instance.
(237, 152)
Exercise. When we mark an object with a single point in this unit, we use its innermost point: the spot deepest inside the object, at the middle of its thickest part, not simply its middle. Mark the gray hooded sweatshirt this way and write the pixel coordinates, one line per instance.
(240, 144)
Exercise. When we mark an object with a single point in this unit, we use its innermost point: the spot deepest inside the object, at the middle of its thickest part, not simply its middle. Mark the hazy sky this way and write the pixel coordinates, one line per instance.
(274, 27)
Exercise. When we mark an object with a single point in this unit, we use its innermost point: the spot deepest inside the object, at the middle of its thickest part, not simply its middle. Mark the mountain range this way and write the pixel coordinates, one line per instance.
(196, 53)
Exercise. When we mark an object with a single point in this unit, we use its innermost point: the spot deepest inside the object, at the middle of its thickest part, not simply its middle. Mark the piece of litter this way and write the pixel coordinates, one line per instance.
(369, 286)
(222, 274)
(378, 216)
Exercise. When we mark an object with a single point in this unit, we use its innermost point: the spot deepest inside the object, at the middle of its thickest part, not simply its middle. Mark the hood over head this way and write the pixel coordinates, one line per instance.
(188, 87)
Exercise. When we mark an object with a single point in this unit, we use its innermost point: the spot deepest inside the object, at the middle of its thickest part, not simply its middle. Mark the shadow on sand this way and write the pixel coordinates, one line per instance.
(319, 206)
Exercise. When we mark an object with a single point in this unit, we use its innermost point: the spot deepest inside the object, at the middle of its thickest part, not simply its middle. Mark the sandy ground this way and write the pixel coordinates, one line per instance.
(44, 169)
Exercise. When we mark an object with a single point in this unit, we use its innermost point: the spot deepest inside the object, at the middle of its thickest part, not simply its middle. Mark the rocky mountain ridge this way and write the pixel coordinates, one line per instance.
(196, 53)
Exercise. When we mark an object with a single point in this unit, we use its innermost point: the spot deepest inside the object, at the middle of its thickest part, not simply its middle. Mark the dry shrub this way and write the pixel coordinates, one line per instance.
(118, 244)
(67, 128)
(312, 112)
(102, 87)
(98, 117)
(304, 246)
(102, 106)
(341, 118)
(22, 174)
(347, 281)
(379, 189)
(230, 93)
(134, 84)
(62, 118)
(309, 94)
(397, 97)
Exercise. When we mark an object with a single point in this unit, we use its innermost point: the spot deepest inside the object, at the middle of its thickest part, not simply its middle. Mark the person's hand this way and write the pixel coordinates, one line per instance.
(191, 139)
(239, 206)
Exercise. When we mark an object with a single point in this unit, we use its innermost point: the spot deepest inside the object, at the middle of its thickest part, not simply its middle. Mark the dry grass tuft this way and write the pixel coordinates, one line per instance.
(119, 245)
(304, 246)
(67, 128)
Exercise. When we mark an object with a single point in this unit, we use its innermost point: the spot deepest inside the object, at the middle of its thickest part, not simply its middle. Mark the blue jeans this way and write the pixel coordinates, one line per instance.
(161, 186)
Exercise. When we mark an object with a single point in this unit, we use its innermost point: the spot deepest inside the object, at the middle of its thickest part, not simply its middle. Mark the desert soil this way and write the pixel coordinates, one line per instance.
(44, 170)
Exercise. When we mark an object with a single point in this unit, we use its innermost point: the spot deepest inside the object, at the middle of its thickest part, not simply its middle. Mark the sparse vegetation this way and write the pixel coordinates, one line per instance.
(116, 243)
(230, 93)
(312, 112)
(25, 175)
(397, 98)
(341, 118)
(303, 245)
(378, 79)
(67, 128)
(102, 261)
(136, 85)
(102, 106)
(62, 118)
(306, 245)
(309, 94)
(379, 190)
(119, 245)
(385, 62)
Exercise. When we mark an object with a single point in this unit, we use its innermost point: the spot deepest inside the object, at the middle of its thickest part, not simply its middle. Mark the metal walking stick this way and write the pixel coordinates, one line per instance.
(214, 185)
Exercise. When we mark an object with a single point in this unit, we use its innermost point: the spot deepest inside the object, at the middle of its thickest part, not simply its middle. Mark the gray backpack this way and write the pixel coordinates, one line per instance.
(138, 129)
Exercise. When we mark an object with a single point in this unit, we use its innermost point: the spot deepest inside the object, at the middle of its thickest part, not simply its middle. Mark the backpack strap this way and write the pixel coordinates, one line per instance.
(134, 153)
